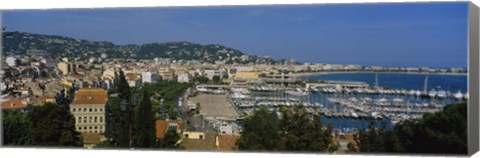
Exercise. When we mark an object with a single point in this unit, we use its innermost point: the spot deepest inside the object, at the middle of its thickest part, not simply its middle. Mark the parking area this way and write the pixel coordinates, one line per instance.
(214, 105)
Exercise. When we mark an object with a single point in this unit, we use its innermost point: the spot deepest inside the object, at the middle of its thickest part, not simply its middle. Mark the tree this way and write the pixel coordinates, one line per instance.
(144, 135)
(200, 79)
(170, 140)
(197, 108)
(15, 128)
(52, 125)
(118, 135)
(216, 79)
(260, 133)
(441, 132)
(300, 132)
(295, 127)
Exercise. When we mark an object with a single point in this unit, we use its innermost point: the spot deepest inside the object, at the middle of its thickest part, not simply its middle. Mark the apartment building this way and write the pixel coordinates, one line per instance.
(88, 108)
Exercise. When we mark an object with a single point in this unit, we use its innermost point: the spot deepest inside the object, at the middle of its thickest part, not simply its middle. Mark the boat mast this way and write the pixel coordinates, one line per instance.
(425, 85)
(376, 80)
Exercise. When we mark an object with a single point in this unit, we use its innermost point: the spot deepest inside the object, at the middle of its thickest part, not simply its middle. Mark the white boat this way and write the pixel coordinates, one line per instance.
(442, 94)
(458, 95)
(353, 114)
(432, 93)
(397, 100)
(411, 92)
(418, 93)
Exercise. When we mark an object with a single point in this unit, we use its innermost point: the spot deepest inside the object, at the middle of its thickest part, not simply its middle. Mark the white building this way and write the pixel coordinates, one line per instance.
(104, 56)
(333, 67)
(210, 73)
(184, 77)
(353, 67)
(162, 61)
(11, 61)
(149, 77)
(226, 128)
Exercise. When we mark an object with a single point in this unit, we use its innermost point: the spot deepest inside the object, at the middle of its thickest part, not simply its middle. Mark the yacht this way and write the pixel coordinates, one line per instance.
(432, 93)
(458, 95)
(411, 92)
(442, 94)
(418, 93)
(397, 100)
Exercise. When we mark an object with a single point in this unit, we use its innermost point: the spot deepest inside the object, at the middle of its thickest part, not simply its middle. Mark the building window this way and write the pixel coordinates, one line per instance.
(74, 110)
(90, 127)
(85, 119)
(101, 109)
(201, 136)
(186, 135)
(79, 120)
(90, 119)
(101, 119)
(95, 110)
(96, 127)
(90, 109)
(95, 119)
(85, 128)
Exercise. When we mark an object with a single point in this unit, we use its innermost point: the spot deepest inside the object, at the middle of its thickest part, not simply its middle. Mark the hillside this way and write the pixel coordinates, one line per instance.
(50, 45)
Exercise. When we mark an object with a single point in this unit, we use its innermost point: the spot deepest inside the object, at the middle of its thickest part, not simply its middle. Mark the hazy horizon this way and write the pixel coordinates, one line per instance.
(407, 34)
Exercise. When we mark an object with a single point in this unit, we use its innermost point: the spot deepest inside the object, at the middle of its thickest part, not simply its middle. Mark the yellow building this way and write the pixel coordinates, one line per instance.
(247, 75)
(193, 135)
(88, 108)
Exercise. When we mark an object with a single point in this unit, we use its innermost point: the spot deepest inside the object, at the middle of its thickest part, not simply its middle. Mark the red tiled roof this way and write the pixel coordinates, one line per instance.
(161, 126)
(90, 96)
(13, 104)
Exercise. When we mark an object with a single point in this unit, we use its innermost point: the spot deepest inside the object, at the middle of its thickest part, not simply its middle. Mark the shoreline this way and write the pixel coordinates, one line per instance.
(306, 74)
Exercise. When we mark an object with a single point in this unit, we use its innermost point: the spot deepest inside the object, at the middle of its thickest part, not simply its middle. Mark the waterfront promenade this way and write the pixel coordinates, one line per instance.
(302, 74)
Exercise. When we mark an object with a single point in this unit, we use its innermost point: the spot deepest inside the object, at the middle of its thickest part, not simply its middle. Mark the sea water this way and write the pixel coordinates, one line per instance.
(452, 83)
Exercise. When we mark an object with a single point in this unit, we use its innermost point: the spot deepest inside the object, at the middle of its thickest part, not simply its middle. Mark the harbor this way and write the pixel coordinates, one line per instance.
(347, 105)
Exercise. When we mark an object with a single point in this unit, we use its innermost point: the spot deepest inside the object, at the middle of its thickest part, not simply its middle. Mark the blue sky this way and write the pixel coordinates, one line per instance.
(406, 34)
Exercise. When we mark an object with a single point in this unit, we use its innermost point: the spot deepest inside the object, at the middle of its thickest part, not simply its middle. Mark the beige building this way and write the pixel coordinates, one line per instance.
(88, 108)
(63, 67)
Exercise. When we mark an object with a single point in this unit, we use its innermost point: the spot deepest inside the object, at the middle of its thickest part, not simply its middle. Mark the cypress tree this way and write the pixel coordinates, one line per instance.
(144, 135)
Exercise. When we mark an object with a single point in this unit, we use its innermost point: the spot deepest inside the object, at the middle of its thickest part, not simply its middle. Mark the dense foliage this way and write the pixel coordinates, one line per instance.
(139, 131)
(260, 133)
(47, 125)
(170, 140)
(294, 131)
(300, 132)
(444, 132)
(15, 127)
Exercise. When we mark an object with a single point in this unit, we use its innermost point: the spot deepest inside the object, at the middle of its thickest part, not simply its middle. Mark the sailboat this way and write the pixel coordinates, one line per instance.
(425, 86)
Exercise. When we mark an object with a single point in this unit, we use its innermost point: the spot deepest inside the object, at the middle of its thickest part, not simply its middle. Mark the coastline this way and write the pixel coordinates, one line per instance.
(305, 74)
